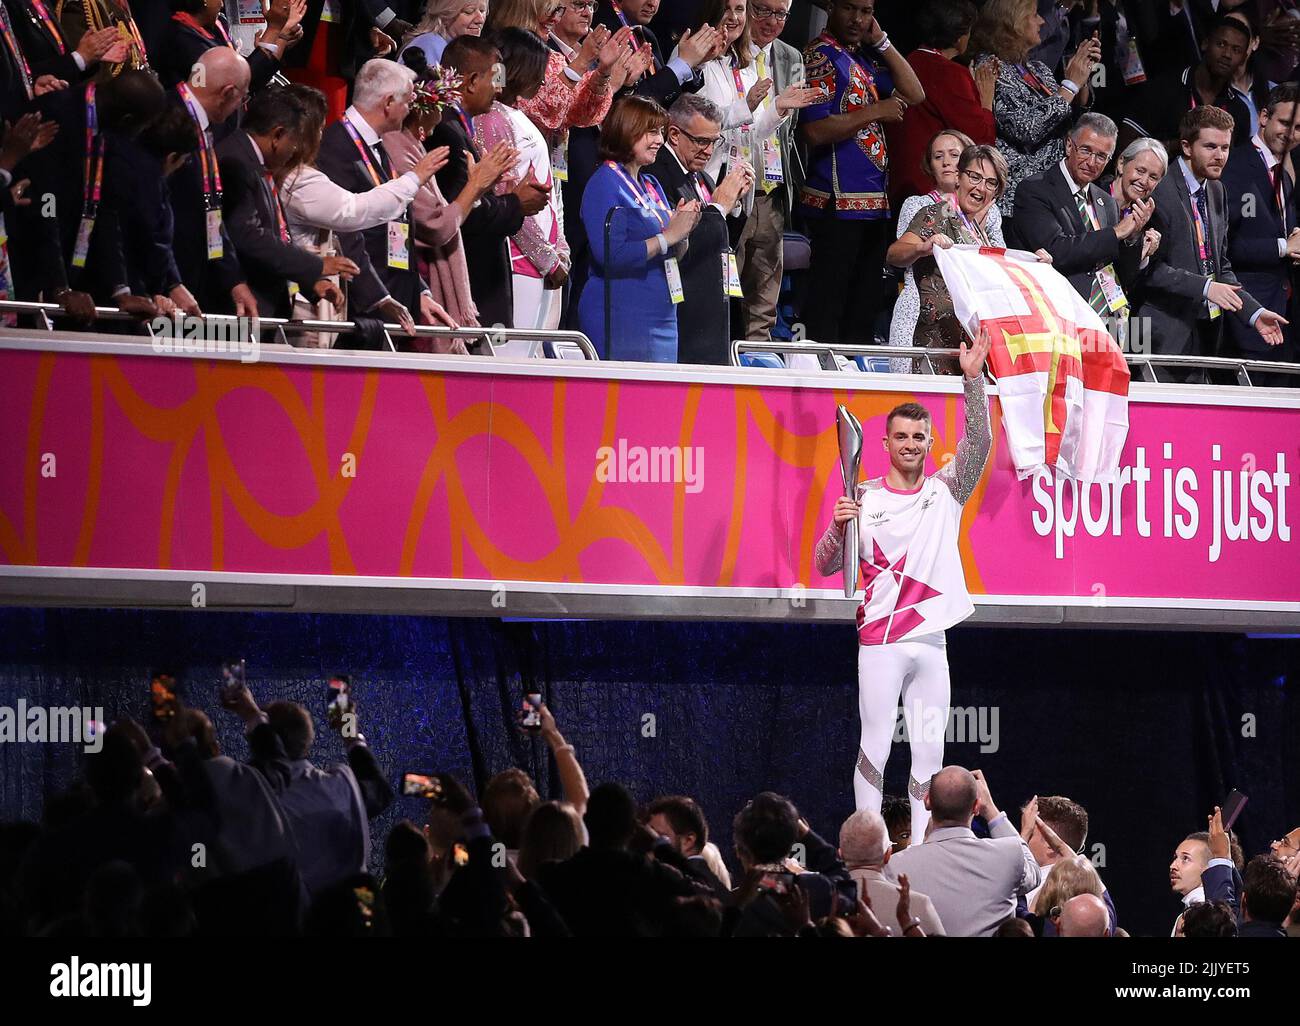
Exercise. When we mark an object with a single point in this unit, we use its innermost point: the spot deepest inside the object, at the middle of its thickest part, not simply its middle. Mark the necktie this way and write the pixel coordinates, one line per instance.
(1277, 174)
(281, 225)
(772, 143)
(1203, 251)
(382, 158)
(701, 189)
(1097, 296)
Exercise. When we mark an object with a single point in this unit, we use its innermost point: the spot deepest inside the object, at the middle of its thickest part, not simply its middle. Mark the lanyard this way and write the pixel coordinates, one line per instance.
(367, 156)
(464, 120)
(51, 26)
(190, 22)
(650, 200)
(1032, 80)
(11, 41)
(95, 144)
(976, 231)
(735, 74)
(133, 30)
(208, 164)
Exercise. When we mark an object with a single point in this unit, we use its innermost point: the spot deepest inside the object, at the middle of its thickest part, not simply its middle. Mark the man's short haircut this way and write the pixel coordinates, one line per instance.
(952, 795)
(628, 120)
(1209, 919)
(1014, 926)
(940, 23)
(684, 814)
(378, 79)
(610, 817)
(1287, 92)
(1068, 818)
(466, 54)
(688, 105)
(1202, 836)
(1098, 123)
(1222, 21)
(172, 131)
(864, 838)
(1268, 892)
(908, 411)
(274, 108)
(1189, 128)
(767, 827)
(292, 722)
(508, 798)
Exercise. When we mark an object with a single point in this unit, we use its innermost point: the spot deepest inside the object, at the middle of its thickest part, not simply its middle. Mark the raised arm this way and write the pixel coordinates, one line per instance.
(572, 779)
(963, 473)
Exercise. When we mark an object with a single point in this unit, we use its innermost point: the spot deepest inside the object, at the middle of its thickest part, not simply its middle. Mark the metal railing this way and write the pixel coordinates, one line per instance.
(550, 344)
(1142, 365)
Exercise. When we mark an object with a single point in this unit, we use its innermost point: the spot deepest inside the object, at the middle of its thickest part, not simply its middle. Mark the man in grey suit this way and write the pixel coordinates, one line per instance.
(973, 882)
(864, 846)
(1191, 282)
(779, 172)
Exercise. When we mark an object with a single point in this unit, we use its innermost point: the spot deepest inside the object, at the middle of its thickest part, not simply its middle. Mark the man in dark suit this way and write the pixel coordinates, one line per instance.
(703, 318)
(48, 52)
(681, 821)
(1158, 105)
(486, 230)
(1263, 231)
(1062, 211)
(1267, 897)
(352, 154)
(205, 254)
(250, 206)
(664, 82)
(1191, 281)
(60, 252)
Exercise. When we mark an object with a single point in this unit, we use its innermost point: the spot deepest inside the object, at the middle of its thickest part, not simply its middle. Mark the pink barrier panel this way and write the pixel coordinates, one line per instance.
(287, 468)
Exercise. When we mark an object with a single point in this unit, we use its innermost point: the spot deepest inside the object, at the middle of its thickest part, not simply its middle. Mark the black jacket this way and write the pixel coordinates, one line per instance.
(250, 216)
(661, 83)
(484, 231)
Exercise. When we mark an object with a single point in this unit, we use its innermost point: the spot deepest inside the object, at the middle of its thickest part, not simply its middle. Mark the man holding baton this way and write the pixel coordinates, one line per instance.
(914, 586)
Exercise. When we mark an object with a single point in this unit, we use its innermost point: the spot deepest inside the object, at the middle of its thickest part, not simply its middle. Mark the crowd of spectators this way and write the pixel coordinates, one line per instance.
(638, 169)
(163, 835)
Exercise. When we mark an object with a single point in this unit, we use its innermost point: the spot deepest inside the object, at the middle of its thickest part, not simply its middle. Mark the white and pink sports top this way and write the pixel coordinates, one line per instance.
(911, 568)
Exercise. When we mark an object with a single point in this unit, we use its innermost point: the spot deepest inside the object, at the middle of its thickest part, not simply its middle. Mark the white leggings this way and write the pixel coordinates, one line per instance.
(535, 306)
(916, 671)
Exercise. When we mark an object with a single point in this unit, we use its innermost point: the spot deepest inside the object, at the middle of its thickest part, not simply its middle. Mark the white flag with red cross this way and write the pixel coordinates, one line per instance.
(1062, 380)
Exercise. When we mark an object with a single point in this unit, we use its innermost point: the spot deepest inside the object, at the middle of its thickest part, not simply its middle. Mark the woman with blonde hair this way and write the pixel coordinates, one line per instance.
(443, 21)
(1032, 111)
(553, 832)
(1068, 879)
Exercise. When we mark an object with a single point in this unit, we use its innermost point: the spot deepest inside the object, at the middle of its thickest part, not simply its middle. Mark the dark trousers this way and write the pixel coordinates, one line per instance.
(844, 279)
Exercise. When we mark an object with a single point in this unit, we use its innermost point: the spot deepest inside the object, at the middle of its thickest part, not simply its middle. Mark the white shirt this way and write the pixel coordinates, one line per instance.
(738, 120)
(1270, 161)
(312, 202)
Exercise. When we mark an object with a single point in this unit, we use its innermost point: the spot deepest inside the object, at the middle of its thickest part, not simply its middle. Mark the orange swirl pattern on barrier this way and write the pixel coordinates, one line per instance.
(181, 426)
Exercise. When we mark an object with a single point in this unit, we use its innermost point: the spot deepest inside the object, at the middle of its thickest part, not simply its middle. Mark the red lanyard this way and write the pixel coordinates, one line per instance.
(51, 26)
(11, 41)
(735, 74)
(1032, 80)
(95, 144)
(650, 200)
(190, 22)
(976, 231)
(279, 210)
(208, 164)
(367, 156)
(464, 120)
(1202, 249)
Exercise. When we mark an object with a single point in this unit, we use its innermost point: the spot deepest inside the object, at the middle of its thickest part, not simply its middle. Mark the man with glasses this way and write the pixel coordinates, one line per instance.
(1062, 211)
(708, 265)
(778, 173)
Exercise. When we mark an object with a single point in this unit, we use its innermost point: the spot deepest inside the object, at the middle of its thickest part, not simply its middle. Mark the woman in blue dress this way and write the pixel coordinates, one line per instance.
(628, 306)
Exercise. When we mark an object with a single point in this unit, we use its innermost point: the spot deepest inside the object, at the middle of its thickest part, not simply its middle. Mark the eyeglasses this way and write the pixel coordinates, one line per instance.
(583, 5)
(1089, 154)
(763, 13)
(557, 12)
(702, 143)
(975, 178)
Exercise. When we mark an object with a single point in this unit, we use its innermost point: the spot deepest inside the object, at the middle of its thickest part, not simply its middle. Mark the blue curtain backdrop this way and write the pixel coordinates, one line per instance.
(1145, 729)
